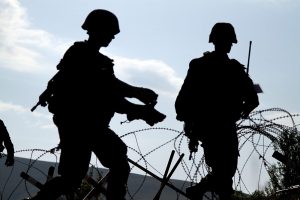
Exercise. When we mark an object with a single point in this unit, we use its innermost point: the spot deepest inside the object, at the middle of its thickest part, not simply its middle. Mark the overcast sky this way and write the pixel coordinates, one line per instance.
(157, 40)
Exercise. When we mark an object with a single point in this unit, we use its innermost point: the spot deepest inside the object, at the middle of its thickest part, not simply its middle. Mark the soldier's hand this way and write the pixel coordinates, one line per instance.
(193, 146)
(9, 160)
(147, 96)
(1, 147)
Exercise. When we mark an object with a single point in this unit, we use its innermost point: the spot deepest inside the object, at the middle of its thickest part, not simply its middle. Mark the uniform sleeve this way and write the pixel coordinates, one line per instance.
(6, 139)
(183, 103)
(1, 137)
(249, 94)
(251, 100)
(123, 88)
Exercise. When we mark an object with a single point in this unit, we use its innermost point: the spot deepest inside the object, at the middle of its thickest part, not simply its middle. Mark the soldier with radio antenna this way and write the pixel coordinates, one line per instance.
(216, 93)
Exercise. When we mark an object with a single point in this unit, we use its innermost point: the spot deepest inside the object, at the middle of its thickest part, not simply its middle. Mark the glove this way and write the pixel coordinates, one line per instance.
(147, 96)
(9, 160)
(147, 113)
(193, 141)
(1, 147)
(10, 155)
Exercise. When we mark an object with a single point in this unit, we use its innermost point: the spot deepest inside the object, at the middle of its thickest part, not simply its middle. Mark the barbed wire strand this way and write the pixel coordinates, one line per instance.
(254, 131)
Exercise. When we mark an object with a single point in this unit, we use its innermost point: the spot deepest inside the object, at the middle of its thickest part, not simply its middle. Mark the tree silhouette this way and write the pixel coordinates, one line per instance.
(285, 174)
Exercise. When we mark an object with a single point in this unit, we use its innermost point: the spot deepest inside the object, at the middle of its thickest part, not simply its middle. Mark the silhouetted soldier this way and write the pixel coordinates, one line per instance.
(83, 96)
(215, 94)
(5, 142)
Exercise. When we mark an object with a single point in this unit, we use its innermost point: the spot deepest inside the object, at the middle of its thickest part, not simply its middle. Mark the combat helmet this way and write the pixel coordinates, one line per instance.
(222, 31)
(101, 20)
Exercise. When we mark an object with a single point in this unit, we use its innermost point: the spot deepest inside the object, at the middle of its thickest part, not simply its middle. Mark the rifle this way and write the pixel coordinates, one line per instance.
(46, 95)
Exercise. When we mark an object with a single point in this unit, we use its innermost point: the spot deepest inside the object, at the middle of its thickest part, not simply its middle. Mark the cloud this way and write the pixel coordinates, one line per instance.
(11, 107)
(21, 45)
(154, 74)
(36, 119)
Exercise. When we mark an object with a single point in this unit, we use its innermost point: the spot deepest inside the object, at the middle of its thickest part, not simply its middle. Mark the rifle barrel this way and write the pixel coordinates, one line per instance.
(35, 106)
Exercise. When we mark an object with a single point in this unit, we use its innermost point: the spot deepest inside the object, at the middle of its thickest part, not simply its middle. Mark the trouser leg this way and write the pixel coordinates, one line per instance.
(222, 158)
(112, 153)
(117, 181)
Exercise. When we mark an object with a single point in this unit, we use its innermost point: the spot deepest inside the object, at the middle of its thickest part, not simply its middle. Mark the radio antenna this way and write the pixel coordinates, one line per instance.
(256, 86)
(250, 44)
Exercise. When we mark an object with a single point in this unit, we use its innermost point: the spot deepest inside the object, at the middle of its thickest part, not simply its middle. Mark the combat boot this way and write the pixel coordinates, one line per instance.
(197, 191)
